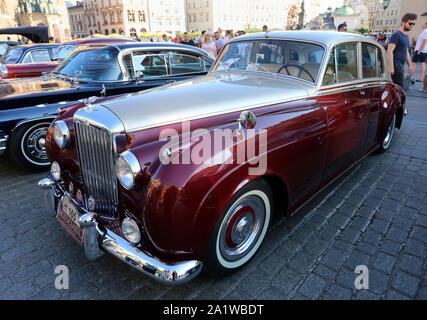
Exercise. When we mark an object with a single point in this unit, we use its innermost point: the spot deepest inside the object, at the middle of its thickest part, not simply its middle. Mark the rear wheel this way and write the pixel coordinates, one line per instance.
(385, 145)
(240, 230)
(27, 146)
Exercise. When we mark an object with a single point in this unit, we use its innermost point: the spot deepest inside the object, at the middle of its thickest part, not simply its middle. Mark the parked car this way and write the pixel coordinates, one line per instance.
(27, 106)
(66, 48)
(28, 60)
(38, 60)
(139, 177)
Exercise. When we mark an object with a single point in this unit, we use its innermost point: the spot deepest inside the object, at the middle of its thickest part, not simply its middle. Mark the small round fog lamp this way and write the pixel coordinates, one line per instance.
(55, 170)
(131, 231)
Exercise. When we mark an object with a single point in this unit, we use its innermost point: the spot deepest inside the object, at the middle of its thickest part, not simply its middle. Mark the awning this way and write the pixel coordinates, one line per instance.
(35, 34)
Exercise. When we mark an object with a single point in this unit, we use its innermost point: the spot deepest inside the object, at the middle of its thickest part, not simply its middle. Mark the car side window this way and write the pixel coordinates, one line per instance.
(37, 56)
(148, 65)
(346, 62)
(330, 71)
(369, 60)
(183, 63)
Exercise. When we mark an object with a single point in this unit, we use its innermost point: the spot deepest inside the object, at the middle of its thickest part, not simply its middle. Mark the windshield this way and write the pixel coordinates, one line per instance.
(293, 58)
(92, 64)
(12, 55)
(63, 51)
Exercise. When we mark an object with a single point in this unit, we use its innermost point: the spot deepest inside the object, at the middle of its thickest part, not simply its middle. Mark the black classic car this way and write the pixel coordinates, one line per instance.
(27, 106)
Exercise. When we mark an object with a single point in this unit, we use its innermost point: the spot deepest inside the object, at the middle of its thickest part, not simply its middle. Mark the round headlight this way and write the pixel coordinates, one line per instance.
(61, 134)
(55, 170)
(127, 168)
(130, 230)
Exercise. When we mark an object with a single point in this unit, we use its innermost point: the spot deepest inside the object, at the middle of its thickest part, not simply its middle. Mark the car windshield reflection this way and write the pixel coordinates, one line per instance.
(63, 52)
(12, 55)
(92, 64)
(297, 59)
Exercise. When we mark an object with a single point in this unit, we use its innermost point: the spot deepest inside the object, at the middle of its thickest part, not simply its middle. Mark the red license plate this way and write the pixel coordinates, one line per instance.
(68, 215)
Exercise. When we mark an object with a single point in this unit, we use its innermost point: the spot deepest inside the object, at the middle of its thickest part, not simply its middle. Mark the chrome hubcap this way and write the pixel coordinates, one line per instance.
(36, 144)
(389, 136)
(242, 228)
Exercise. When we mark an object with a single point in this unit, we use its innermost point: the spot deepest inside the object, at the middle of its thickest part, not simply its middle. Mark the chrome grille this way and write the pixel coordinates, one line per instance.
(95, 152)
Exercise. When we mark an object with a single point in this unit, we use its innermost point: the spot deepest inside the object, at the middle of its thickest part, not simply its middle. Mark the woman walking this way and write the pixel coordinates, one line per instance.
(209, 44)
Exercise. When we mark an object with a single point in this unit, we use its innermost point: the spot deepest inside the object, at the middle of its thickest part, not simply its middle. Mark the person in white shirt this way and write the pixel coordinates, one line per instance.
(420, 53)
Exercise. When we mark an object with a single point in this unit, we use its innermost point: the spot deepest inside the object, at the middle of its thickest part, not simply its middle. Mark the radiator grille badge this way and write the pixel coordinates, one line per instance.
(91, 203)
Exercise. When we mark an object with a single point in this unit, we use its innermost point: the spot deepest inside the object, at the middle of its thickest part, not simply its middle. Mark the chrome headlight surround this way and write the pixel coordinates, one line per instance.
(61, 134)
(127, 168)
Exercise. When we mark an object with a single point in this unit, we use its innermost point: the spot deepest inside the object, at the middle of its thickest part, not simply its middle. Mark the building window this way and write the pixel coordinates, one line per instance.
(131, 15)
(141, 16)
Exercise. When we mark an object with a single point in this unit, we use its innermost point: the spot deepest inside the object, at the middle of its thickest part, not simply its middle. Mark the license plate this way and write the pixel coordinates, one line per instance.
(68, 215)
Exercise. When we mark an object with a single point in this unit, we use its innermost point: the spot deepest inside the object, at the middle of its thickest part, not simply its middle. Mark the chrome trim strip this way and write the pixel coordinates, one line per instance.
(3, 143)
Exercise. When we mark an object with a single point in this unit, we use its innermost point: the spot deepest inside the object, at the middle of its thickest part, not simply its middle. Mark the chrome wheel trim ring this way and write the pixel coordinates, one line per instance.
(252, 232)
(390, 132)
(33, 144)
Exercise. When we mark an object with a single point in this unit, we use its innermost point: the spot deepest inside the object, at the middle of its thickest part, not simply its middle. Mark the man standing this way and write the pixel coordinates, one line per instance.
(219, 41)
(420, 53)
(398, 49)
(186, 40)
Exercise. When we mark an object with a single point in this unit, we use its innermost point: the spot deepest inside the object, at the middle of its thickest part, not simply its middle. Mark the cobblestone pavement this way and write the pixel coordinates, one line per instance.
(375, 215)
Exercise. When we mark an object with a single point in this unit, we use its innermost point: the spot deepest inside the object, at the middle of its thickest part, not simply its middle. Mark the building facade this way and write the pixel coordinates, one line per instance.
(51, 13)
(76, 16)
(167, 16)
(134, 17)
(236, 15)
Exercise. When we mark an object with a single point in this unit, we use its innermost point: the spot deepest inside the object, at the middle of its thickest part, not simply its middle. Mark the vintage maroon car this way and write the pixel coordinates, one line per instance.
(28, 60)
(33, 60)
(168, 181)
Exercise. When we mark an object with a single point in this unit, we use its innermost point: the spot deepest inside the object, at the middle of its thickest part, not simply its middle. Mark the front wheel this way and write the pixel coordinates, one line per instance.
(240, 230)
(386, 143)
(27, 148)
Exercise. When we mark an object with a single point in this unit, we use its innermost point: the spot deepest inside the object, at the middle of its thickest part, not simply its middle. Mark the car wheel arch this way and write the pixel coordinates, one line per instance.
(231, 187)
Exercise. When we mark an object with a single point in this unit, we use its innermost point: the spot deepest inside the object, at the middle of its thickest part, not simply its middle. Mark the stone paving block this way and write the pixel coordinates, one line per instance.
(406, 283)
(336, 292)
(384, 262)
(312, 287)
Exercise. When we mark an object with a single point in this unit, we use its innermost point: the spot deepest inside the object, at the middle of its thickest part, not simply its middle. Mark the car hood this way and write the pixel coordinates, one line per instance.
(216, 93)
(10, 88)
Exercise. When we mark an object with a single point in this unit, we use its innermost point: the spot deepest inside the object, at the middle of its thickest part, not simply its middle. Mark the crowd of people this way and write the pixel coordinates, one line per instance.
(210, 42)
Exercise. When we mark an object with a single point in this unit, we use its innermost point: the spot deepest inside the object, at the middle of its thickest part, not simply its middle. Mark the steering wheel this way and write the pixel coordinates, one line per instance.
(285, 66)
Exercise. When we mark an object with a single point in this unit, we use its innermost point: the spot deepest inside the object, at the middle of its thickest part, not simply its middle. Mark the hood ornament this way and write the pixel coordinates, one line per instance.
(103, 92)
(91, 203)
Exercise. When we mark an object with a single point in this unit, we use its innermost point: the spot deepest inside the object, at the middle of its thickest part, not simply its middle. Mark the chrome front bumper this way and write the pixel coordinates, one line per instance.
(97, 240)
